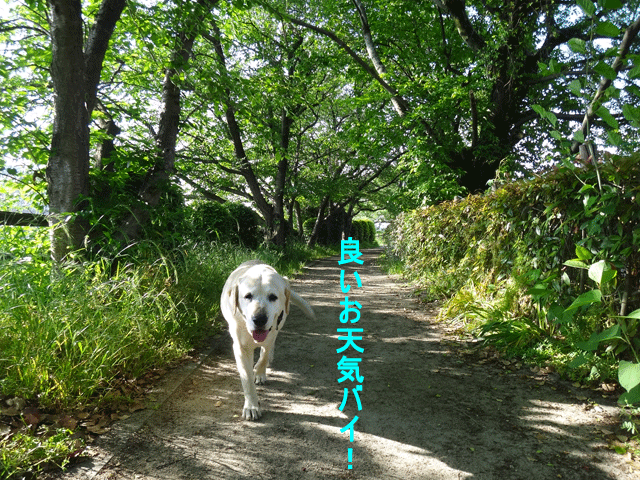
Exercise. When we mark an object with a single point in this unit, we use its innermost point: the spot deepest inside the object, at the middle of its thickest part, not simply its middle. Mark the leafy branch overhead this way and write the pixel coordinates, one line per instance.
(303, 109)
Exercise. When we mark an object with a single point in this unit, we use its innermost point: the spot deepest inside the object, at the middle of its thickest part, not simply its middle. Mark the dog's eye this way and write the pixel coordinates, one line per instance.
(248, 296)
(273, 297)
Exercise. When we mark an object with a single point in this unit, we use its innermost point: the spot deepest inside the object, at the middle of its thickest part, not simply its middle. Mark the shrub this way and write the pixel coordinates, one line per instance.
(357, 230)
(212, 221)
(72, 333)
(372, 231)
(247, 225)
(363, 230)
(307, 226)
(525, 225)
(226, 223)
(521, 240)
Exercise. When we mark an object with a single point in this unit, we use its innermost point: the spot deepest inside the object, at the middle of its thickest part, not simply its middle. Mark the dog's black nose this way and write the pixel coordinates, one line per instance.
(259, 319)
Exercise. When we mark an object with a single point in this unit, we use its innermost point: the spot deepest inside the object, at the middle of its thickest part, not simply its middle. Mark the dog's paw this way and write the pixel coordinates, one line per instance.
(260, 378)
(251, 413)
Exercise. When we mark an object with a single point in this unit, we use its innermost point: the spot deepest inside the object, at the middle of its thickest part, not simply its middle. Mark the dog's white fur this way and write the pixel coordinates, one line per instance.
(255, 303)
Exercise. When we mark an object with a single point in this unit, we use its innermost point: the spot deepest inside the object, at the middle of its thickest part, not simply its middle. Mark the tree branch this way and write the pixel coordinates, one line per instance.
(234, 129)
(629, 35)
(23, 219)
(399, 103)
(203, 191)
(457, 10)
(212, 161)
(97, 44)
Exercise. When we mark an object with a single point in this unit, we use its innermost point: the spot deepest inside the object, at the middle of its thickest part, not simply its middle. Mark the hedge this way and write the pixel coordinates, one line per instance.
(526, 230)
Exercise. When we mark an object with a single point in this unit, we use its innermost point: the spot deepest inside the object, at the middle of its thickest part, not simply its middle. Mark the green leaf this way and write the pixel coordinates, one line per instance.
(634, 314)
(577, 45)
(603, 113)
(580, 360)
(557, 135)
(631, 113)
(559, 315)
(634, 72)
(539, 291)
(605, 70)
(619, 449)
(631, 397)
(587, 188)
(578, 136)
(583, 253)
(576, 88)
(608, 334)
(601, 272)
(607, 29)
(546, 114)
(629, 374)
(589, 201)
(614, 138)
(587, 298)
(587, 346)
(610, 4)
(592, 344)
(633, 90)
(576, 264)
(552, 118)
(587, 7)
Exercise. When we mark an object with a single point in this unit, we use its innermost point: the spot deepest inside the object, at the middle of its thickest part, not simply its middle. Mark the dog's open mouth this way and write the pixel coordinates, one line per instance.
(260, 335)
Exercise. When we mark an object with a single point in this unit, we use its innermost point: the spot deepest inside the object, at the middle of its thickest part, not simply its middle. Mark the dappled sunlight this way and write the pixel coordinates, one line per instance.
(547, 416)
(427, 411)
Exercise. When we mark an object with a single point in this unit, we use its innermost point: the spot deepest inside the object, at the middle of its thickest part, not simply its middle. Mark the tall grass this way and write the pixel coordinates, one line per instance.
(66, 334)
(69, 333)
(81, 328)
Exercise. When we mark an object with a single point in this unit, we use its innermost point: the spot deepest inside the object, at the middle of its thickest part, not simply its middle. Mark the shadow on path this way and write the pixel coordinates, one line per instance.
(426, 413)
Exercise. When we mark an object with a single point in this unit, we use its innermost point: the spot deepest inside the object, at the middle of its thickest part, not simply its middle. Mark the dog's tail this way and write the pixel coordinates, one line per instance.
(302, 303)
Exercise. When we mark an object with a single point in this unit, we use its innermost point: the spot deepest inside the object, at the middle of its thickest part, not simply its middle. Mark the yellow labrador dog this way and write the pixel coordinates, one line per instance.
(255, 303)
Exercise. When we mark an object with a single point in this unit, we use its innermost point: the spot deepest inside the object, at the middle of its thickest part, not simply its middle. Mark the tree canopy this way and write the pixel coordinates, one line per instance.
(114, 111)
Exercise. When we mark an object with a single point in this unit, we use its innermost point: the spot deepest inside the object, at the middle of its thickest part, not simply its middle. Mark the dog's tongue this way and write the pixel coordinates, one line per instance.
(260, 335)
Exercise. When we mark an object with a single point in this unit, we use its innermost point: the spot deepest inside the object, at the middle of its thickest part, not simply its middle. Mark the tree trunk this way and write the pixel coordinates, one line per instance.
(159, 178)
(68, 166)
(97, 43)
(264, 207)
(315, 233)
(75, 75)
(297, 209)
(281, 178)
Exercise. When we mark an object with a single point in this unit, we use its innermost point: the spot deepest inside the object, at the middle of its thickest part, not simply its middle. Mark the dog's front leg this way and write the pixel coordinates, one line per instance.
(265, 360)
(244, 361)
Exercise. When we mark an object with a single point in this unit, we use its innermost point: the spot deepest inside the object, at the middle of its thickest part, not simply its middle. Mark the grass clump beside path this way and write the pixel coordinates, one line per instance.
(69, 336)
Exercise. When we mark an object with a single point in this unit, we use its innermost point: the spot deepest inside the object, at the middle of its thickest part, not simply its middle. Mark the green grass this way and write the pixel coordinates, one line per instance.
(390, 264)
(22, 452)
(67, 339)
(69, 334)
(505, 317)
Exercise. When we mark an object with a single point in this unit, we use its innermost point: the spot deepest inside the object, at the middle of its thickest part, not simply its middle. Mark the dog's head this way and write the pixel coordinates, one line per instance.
(262, 297)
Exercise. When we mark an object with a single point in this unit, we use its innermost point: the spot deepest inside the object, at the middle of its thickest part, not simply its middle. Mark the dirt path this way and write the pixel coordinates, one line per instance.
(428, 412)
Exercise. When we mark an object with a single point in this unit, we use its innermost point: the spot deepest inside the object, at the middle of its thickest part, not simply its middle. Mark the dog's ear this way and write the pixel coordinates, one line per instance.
(233, 298)
(287, 294)
(287, 299)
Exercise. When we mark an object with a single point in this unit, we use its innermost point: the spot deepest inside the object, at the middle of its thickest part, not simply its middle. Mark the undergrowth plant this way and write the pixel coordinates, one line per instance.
(505, 262)
(69, 334)
(621, 335)
(23, 454)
